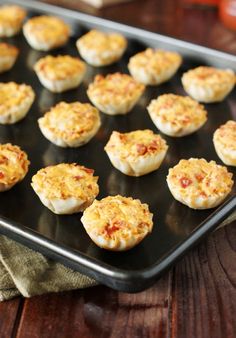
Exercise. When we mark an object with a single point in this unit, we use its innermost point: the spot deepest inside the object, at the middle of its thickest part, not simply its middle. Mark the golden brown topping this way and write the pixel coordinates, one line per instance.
(47, 28)
(70, 120)
(8, 50)
(136, 143)
(11, 15)
(59, 67)
(13, 164)
(13, 95)
(100, 41)
(208, 75)
(195, 177)
(155, 60)
(115, 87)
(180, 111)
(122, 219)
(64, 181)
(226, 135)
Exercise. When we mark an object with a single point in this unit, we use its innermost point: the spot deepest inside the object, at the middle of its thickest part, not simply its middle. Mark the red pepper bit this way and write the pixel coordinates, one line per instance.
(185, 182)
(167, 105)
(207, 73)
(203, 194)
(99, 78)
(143, 225)
(113, 226)
(186, 119)
(1, 175)
(42, 66)
(122, 137)
(20, 156)
(24, 165)
(153, 145)
(141, 149)
(88, 171)
(111, 229)
(77, 178)
(63, 195)
(130, 86)
(3, 159)
(222, 133)
(199, 177)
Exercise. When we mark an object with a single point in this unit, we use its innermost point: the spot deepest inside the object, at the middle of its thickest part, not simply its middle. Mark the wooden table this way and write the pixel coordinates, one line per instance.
(197, 298)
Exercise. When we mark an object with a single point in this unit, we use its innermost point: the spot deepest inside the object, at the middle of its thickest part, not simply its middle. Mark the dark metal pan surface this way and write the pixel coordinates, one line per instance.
(176, 227)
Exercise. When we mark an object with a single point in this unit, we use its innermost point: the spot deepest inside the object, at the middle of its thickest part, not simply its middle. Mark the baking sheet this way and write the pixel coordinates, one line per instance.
(176, 227)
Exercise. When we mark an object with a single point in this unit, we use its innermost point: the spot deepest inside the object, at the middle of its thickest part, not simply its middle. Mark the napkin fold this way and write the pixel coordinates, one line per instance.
(29, 273)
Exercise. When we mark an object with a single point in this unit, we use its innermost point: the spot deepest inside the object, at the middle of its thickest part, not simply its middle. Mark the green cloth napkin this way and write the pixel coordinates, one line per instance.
(28, 273)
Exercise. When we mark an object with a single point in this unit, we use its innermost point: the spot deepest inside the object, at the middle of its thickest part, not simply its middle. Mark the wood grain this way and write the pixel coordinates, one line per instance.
(177, 18)
(196, 299)
(10, 312)
(204, 289)
(98, 312)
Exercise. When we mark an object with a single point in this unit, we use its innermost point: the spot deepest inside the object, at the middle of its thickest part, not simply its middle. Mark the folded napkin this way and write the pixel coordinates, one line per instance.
(28, 273)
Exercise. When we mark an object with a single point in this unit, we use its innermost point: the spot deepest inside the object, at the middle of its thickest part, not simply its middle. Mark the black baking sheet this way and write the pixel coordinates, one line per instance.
(176, 227)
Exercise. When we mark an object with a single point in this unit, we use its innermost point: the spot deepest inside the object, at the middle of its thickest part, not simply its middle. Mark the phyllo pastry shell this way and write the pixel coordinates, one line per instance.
(199, 184)
(136, 153)
(176, 115)
(224, 140)
(11, 20)
(60, 73)
(101, 49)
(46, 32)
(15, 101)
(208, 84)
(65, 188)
(154, 66)
(117, 223)
(13, 165)
(115, 94)
(70, 124)
(8, 56)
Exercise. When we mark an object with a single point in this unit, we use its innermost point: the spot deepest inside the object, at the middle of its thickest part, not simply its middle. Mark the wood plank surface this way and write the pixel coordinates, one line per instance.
(204, 289)
(10, 313)
(99, 312)
(176, 18)
(196, 299)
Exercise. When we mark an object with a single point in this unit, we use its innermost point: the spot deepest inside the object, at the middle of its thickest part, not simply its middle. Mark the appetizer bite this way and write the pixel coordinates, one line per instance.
(136, 153)
(15, 101)
(8, 56)
(101, 49)
(117, 223)
(224, 140)
(13, 165)
(46, 32)
(70, 124)
(60, 73)
(208, 84)
(154, 66)
(115, 94)
(11, 20)
(65, 188)
(199, 184)
(176, 115)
